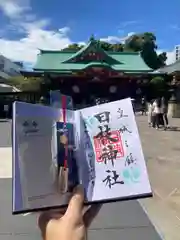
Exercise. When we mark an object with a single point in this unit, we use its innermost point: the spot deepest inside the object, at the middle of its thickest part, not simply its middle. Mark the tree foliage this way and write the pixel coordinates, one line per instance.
(145, 43)
(26, 83)
(159, 86)
(72, 47)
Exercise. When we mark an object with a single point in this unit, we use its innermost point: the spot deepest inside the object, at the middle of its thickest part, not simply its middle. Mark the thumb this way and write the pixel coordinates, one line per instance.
(76, 204)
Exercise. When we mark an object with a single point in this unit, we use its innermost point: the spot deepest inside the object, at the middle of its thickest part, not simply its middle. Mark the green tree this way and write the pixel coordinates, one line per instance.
(134, 42)
(117, 47)
(137, 41)
(162, 57)
(26, 83)
(146, 44)
(73, 47)
(105, 45)
(158, 87)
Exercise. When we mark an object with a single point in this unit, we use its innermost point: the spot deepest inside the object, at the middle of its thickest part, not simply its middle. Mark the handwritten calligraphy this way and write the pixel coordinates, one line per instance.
(130, 160)
(126, 144)
(103, 117)
(105, 131)
(121, 114)
(109, 154)
(124, 129)
(131, 172)
(112, 179)
(108, 147)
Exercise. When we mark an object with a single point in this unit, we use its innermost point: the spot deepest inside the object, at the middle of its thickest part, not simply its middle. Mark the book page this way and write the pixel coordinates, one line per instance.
(117, 161)
(84, 154)
(35, 152)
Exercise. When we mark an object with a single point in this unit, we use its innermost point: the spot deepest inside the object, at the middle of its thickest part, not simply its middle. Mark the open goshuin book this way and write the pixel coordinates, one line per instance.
(55, 148)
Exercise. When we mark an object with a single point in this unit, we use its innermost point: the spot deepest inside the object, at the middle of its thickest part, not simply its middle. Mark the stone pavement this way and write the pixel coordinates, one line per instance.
(123, 220)
(162, 152)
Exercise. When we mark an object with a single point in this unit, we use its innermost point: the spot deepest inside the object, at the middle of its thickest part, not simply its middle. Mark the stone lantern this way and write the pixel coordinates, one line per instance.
(173, 107)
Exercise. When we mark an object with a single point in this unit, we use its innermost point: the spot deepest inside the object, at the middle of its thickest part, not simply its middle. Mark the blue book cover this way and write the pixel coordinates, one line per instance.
(39, 152)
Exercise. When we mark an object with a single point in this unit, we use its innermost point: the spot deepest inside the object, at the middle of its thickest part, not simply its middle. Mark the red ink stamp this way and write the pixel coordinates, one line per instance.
(116, 146)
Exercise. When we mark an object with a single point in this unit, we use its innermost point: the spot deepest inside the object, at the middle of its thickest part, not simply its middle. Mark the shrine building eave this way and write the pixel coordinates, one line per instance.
(52, 61)
(35, 73)
(171, 69)
(32, 73)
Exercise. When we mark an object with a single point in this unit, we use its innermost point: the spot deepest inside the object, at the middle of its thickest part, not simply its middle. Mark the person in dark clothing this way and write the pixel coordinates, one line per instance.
(164, 110)
(156, 111)
(143, 105)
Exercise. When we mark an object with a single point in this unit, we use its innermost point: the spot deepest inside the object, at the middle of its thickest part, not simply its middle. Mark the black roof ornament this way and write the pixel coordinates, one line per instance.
(92, 38)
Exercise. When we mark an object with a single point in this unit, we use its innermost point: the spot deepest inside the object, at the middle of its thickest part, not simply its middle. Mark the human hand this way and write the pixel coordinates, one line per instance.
(71, 223)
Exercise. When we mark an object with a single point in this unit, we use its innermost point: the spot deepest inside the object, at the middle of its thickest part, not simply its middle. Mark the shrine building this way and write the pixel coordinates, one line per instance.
(92, 72)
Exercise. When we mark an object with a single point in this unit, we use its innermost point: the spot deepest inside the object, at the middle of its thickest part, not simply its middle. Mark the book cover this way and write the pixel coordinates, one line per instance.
(35, 157)
(99, 148)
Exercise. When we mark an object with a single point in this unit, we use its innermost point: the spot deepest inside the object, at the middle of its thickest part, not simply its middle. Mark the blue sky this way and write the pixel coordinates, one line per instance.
(114, 18)
(24, 20)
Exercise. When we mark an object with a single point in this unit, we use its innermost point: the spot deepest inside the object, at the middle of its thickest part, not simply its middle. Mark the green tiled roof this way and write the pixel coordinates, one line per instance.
(50, 60)
(95, 47)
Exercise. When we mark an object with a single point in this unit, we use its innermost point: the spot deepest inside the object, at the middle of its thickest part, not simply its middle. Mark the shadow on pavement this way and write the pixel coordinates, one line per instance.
(174, 129)
(125, 220)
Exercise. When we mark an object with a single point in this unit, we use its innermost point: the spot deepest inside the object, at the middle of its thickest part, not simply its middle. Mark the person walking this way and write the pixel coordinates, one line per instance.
(143, 105)
(164, 110)
(150, 117)
(156, 111)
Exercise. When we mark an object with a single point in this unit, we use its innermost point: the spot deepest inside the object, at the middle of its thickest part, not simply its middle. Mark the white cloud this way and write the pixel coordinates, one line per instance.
(123, 39)
(129, 23)
(111, 39)
(14, 8)
(37, 37)
(115, 39)
(26, 49)
(11, 9)
(35, 34)
(170, 57)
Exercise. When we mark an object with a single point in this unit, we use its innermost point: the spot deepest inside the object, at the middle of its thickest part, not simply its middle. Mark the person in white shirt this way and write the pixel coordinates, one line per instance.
(150, 117)
(156, 111)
